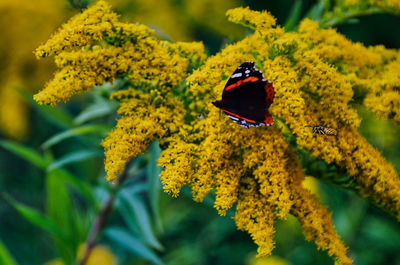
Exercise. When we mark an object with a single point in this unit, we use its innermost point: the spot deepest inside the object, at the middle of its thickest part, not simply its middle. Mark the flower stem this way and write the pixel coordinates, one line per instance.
(103, 215)
(334, 19)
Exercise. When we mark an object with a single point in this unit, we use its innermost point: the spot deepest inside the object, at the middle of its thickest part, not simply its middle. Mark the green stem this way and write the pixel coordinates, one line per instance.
(340, 18)
(103, 215)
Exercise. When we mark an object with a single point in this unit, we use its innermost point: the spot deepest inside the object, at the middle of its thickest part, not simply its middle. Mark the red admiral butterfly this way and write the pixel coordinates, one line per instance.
(247, 97)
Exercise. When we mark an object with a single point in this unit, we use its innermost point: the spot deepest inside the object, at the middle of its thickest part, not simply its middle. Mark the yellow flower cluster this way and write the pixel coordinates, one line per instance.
(81, 30)
(316, 74)
(384, 94)
(372, 70)
(142, 120)
(93, 48)
(104, 49)
(263, 22)
(254, 168)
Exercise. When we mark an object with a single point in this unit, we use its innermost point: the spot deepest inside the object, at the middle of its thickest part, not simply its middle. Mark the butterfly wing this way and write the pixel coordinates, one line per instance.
(247, 96)
(245, 73)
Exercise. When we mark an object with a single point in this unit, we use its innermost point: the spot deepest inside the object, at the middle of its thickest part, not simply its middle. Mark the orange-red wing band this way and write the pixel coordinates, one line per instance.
(269, 89)
(269, 120)
(238, 83)
(233, 114)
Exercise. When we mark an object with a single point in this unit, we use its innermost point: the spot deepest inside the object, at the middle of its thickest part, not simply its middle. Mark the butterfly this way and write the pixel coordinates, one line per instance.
(247, 97)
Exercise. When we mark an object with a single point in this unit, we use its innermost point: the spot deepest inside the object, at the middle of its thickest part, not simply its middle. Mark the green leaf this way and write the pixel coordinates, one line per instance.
(53, 114)
(379, 230)
(61, 212)
(128, 215)
(38, 160)
(95, 111)
(58, 200)
(77, 184)
(137, 188)
(154, 183)
(86, 129)
(26, 153)
(5, 256)
(72, 157)
(294, 16)
(35, 217)
(316, 11)
(132, 244)
(133, 205)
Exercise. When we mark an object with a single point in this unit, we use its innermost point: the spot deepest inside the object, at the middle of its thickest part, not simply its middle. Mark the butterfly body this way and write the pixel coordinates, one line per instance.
(247, 97)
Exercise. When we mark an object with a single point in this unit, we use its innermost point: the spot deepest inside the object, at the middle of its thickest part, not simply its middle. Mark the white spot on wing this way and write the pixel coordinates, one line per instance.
(236, 75)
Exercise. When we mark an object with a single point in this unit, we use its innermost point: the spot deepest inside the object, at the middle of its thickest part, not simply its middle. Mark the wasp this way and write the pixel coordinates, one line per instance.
(322, 130)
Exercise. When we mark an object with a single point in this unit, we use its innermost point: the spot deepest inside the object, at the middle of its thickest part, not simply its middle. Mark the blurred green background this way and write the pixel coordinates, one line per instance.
(60, 182)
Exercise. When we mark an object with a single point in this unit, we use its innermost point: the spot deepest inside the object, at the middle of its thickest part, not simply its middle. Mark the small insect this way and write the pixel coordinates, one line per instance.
(322, 130)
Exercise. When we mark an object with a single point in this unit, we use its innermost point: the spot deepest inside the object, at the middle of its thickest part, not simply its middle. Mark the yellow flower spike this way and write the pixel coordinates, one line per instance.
(262, 151)
(384, 98)
(262, 22)
(317, 225)
(84, 69)
(227, 186)
(81, 30)
(140, 123)
(385, 104)
(376, 178)
(121, 52)
(176, 160)
(255, 215)
(268, 160)
(194, 51)
(336, 48)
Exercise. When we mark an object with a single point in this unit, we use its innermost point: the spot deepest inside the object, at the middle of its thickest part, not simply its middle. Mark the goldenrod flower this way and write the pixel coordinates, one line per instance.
(142, 120)
(384, 96)
(315, 73)
(110, 48)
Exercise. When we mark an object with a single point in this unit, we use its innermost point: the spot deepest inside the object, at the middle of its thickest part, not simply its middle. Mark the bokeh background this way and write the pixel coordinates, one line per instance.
(146, 225)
